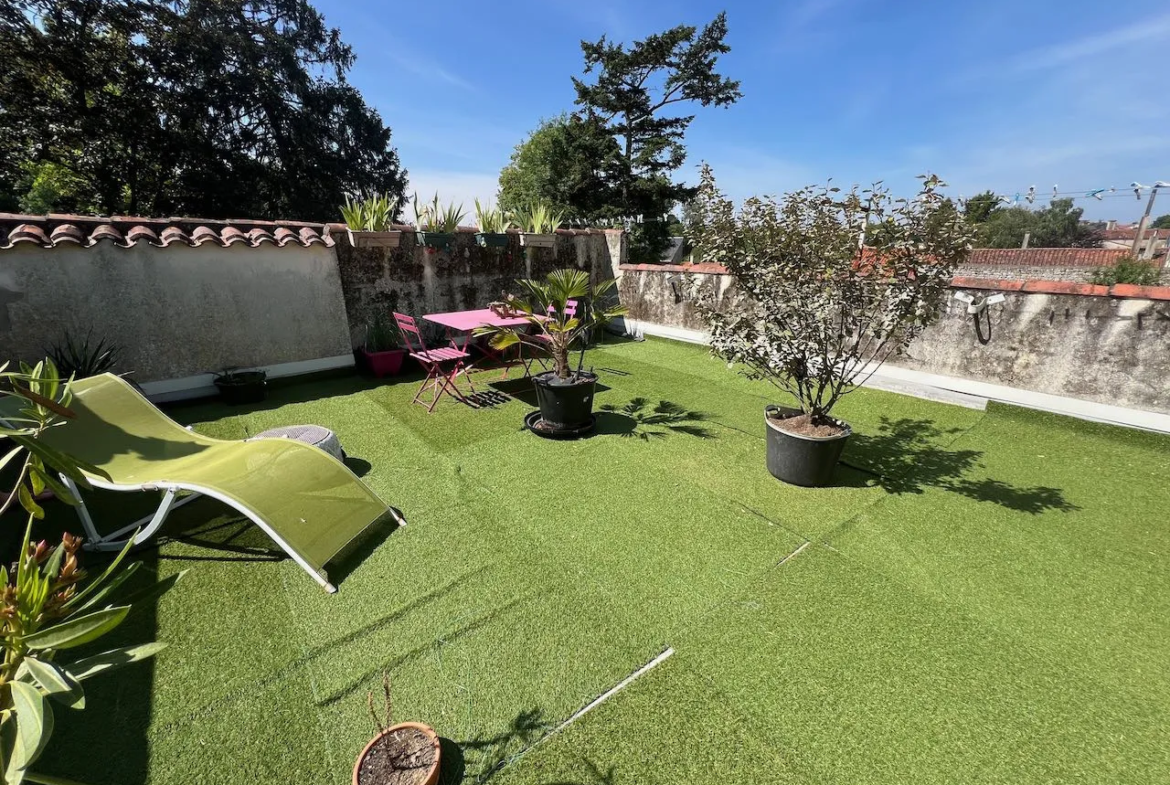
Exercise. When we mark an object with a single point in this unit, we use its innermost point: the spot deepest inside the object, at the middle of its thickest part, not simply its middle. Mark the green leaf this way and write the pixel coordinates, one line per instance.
(57, 683)
(78, 631)
(95, 584)
(111, 586)
(52, 565)
(153, 591)
(59, 490)
(115, 658)
(27, 502)
(34, 725)
(11, 454)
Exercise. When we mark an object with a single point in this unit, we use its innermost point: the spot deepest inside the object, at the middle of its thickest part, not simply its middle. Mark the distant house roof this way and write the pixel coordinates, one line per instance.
(1130, 232)
(54, 230)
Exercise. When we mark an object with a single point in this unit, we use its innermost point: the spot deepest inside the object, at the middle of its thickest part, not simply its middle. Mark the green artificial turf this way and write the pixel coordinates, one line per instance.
(980, 598)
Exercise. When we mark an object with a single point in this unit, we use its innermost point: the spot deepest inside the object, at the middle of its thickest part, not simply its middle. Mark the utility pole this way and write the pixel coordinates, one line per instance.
(1137, 240)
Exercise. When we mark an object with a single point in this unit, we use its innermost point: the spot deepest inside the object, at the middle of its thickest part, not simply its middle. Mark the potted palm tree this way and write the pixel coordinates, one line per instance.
(828, 284)
(382, 355)
(565, 394)
(538, 225)
(368, 221)
(493, 225)
(435, 225)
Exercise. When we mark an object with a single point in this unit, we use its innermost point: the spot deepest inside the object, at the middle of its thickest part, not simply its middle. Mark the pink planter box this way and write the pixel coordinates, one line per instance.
(383, 363)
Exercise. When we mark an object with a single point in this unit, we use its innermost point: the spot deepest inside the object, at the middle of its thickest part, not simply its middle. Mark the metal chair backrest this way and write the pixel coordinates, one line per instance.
(570, 309)
(410, 333)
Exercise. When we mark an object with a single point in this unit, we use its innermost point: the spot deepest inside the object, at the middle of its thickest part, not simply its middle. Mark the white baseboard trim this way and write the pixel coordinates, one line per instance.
(202, 385)
(957, 390)
(641, 329)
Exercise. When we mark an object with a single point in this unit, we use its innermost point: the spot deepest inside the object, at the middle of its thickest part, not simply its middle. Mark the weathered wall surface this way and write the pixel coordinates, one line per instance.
(177, 311)
(417, 281)
(1110, 345)
(1046, 264)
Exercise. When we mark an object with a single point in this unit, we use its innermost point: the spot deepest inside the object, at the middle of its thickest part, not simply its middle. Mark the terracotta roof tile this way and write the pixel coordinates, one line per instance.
(1047, 257)
(54, 230)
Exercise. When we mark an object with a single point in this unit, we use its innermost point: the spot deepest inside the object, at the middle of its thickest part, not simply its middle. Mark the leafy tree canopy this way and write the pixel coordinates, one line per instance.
(1161, 222)
(1056, 226)
(629, 98)
(571, 163)
(216, 108)
(980, 207)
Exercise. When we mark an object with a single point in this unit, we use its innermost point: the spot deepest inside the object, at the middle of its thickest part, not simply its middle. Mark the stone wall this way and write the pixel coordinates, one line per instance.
(1046, 264)
(1105, 344)
(417, 281)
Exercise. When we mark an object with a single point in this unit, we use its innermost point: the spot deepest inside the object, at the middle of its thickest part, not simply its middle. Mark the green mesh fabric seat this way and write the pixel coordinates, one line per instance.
(308, 502)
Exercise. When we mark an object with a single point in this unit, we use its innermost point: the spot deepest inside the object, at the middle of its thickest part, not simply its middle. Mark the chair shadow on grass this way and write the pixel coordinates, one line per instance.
(636, 419)
(522, 389)
(903, 459)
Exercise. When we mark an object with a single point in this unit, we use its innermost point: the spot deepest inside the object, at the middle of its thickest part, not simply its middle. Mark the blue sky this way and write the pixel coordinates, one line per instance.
(1000, 94)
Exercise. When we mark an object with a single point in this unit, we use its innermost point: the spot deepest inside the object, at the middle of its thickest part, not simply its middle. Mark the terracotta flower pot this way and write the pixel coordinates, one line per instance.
(432, 773)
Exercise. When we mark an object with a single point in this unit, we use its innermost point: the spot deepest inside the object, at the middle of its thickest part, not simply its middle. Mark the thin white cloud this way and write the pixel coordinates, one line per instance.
(429, 70)
(1146, 31)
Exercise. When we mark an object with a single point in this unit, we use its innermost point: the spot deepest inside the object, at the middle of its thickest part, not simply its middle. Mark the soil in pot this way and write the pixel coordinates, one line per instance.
(402, 756)
(802, 452)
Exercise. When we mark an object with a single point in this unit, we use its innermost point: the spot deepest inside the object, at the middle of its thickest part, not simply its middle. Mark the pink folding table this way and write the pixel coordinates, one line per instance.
(460, 325)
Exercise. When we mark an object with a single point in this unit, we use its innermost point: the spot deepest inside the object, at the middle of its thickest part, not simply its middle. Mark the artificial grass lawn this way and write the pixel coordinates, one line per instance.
(981, 598)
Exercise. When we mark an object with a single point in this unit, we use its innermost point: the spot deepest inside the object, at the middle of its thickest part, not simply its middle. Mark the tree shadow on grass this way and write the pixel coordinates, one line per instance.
(525, 729)
(635, 420)
(596, 776)
(904, 459)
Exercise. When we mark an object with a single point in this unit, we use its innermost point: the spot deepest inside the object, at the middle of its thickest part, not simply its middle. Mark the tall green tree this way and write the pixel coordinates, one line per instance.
(632, 93)
(1161, 222)
(1058, 225)
(214, 108)
(570, 162)
(979, 207)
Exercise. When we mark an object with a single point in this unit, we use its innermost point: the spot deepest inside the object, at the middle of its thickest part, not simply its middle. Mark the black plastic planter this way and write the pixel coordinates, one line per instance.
(802, 460)
(565, 403)
(245, 387)
(489, 240)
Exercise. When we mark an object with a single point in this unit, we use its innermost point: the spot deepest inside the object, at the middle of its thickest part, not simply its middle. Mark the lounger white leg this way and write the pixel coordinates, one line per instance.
(91, 532)
(146, 527)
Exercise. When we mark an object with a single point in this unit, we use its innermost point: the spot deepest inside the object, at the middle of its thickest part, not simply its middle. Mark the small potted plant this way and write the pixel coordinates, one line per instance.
(538, 226)
(828, 284)
(565, 394)
(403, 754)
(381, 353)
(368, 221)
(493, 225)
(435, 225)
(238, 387)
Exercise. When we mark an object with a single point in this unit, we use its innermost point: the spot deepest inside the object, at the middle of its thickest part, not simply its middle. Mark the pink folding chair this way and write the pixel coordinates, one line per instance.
(443, 365)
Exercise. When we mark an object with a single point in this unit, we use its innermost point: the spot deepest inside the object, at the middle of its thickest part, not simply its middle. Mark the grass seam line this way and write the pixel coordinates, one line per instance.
(794, 554)
(662, 657)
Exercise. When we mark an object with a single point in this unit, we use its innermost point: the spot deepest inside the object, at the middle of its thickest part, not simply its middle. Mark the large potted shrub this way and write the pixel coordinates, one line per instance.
(369, 220)
(434, 224)
(828, 284)
(382, 355)
(553, 326)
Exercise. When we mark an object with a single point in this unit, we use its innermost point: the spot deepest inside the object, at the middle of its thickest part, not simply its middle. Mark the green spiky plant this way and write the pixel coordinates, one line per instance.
(492, 220)
(47, 605)
(82, 357)
(539, 218)
(369, 213)
(434, 217)
(544, 307)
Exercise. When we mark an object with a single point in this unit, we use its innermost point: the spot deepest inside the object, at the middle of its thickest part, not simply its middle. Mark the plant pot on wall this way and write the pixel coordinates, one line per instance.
(380, 364)
(403, 754)
(803, 455)
(436, 240)
(374, 239)
(532, 240)
(240, 387)
(491, 240)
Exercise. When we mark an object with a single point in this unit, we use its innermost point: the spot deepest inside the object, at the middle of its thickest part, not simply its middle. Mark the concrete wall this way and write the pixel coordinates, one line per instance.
(178, 311)
(1096, 343)
(412, 280)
